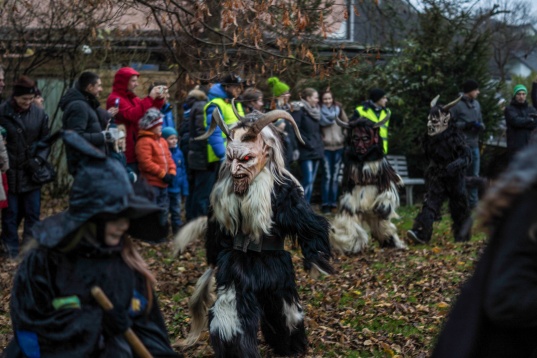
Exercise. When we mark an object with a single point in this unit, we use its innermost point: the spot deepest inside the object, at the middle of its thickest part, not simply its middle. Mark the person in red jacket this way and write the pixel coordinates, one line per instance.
(131, 107)
(154, 159)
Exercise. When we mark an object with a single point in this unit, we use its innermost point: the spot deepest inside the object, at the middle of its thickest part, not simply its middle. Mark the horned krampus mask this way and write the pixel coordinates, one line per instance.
(247, 150)
(439, 117)
(363, 138)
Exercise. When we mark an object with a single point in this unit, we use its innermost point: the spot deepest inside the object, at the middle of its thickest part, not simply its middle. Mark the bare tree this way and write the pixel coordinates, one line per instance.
(205, 38)
(510, 35)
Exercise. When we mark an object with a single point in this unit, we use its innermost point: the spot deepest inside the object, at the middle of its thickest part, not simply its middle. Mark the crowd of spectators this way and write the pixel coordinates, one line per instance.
(160, 150)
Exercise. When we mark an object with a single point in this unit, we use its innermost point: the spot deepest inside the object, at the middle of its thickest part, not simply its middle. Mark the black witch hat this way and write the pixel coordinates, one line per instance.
(101, 187)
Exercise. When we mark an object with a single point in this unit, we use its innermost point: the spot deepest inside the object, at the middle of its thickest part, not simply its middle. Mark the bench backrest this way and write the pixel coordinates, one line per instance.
(398, 162)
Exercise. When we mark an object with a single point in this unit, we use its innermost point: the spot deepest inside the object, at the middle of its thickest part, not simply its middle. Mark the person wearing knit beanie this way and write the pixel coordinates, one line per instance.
(26, 125)
(151, 119)
(168, 131)
(155, 162)
(376, 94)
(519, 88)
(375, 110)
(278, 88)
(469, 86)
(24, 86)
(521, 121)
(466, 115)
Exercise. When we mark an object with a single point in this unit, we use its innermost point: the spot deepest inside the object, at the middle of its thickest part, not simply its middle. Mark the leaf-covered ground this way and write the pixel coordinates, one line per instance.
(381, 303)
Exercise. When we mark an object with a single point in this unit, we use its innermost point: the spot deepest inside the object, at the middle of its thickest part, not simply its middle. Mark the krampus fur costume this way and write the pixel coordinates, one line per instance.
(370, 191)
(255, 204)
(448, 156)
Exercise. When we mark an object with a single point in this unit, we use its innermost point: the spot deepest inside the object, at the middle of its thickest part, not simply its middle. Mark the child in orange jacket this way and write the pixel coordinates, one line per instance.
(154, 159)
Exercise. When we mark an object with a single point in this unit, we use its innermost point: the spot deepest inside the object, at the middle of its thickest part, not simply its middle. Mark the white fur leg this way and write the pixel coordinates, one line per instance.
(346, 235)
(293, 315)
(194, 230)
(383, 230)
(226, 321)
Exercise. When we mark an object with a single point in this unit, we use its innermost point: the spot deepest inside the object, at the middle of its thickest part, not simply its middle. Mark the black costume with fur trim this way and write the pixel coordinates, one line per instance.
(448, 156)
(244, 236)
(370, 193)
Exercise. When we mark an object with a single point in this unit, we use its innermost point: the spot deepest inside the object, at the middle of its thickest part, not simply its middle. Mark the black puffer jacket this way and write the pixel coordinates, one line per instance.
(197, 149)
(310, 130)
(520, 124)
(80, 115)
(23, 130)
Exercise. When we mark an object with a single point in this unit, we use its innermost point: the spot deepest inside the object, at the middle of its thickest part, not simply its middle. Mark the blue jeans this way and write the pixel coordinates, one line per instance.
(25, 206)
(309, 172)
(175, 211)
(201, 190)
(473, 171)
(329, 188)
(163, 201)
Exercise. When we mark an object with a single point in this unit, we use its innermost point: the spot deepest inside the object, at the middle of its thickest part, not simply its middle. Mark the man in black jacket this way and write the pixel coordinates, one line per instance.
(25, 124)
(468, 118)
(80, 113)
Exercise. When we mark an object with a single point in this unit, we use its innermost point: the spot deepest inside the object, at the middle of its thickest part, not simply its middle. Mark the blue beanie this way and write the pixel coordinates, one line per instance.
(168, 131)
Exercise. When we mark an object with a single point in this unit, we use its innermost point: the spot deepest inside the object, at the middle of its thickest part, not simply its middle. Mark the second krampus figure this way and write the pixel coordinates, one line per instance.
(370, 191)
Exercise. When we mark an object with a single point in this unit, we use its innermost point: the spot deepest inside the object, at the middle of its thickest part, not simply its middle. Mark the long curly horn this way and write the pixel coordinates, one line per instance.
(239, 117)
(216, 121)
(433, 102)
(448, 106)
(273, 116)
(381, 123)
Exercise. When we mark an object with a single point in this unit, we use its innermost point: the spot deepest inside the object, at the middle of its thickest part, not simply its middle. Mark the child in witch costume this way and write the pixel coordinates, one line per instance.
(449, 156)
(370, 191)
(52, 308)
(255, 204)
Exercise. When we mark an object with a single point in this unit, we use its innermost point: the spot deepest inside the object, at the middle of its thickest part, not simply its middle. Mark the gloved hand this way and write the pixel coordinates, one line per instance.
(168, 178)
(116, 321)
(34, 164)
(296, 155)
(477, 125)
(108, 137)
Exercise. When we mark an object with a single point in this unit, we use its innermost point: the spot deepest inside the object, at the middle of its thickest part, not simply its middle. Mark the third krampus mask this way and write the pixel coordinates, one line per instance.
(439, 117)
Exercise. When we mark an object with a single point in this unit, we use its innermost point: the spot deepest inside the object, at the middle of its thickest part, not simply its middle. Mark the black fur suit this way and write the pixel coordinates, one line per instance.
(448, 157)
(255, 287)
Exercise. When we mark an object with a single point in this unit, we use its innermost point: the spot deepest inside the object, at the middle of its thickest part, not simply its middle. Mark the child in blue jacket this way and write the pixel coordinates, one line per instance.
(179, 186)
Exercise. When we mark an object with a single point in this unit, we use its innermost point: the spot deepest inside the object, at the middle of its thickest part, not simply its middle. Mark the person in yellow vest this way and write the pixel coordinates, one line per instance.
(375, 110)
(220, 96)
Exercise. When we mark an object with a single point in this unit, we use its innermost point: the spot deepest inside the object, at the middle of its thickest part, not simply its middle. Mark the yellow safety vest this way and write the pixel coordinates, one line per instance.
(229, 118)
(372, 116)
